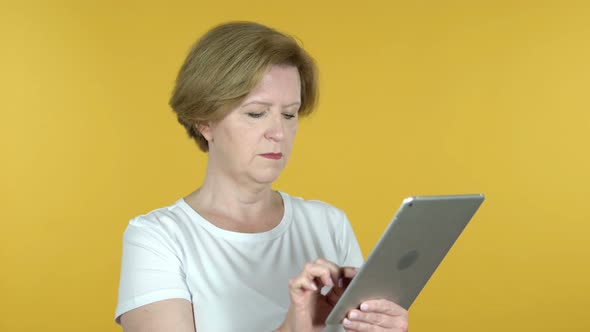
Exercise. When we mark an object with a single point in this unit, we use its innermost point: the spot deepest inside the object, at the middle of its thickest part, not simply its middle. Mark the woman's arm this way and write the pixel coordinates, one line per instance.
(162, 316)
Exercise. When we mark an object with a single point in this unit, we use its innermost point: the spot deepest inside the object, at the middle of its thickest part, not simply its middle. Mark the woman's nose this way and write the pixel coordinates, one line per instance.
(275, 130)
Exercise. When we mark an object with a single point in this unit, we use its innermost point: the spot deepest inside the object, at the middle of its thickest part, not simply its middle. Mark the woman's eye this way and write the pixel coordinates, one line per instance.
(288, 116)
(255, 115)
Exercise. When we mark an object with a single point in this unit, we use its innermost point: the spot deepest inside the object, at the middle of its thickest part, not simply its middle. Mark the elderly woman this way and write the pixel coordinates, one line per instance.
(234, 255)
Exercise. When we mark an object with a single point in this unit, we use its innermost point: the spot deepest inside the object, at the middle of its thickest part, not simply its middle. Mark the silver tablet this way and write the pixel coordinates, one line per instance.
(411, 248)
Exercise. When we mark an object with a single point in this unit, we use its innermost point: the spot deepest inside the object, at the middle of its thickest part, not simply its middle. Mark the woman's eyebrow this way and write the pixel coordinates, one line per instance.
(297, 103)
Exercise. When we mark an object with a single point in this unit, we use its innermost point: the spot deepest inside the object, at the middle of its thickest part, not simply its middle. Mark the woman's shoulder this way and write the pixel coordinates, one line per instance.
(168, 221)
(315, 208)
(170, 214)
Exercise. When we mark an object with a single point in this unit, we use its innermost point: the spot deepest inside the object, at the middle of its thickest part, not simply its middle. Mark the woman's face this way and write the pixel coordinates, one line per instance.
(253, 142)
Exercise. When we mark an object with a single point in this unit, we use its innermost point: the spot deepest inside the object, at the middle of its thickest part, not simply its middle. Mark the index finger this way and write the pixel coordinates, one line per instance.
(384, 306)
(348, 272)
(334, 270)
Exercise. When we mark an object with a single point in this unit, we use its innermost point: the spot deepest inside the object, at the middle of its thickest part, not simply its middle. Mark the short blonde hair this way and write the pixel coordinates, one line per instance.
(226, 64)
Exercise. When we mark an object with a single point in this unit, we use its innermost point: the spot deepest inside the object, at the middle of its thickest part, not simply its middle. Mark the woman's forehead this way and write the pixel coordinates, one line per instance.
(278, 84)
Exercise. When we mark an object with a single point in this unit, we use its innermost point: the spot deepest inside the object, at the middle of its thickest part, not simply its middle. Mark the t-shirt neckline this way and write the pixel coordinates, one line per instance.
(237, 236)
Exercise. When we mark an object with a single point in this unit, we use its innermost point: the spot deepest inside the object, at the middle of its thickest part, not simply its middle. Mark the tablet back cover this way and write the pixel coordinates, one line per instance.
(409, 251)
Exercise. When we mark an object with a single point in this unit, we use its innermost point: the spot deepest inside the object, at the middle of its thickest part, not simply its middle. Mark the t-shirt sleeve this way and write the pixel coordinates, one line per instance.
(351, 254)
(151, 269)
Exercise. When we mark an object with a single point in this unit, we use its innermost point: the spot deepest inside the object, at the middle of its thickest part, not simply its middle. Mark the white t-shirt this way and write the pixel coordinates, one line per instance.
(235, 281)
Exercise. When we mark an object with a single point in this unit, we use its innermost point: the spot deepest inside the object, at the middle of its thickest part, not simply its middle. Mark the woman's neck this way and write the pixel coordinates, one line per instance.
(235, 206)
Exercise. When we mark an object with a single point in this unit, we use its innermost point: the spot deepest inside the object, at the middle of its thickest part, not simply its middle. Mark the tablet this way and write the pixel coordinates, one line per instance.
(411, 248)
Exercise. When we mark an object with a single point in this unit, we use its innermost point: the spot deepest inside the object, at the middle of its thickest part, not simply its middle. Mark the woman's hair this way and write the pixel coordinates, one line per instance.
(226, 64)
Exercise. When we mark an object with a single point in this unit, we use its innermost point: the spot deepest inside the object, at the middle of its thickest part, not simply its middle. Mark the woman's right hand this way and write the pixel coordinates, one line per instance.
(309, 308)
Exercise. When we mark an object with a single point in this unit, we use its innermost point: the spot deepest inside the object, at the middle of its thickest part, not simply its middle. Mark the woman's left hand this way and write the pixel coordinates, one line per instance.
(377, 315)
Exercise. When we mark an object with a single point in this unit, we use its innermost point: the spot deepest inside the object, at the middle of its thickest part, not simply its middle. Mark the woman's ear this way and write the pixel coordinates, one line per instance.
(205, 130)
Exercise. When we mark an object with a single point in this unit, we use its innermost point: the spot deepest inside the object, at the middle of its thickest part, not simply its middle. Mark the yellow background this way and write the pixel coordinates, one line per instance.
(417, 97)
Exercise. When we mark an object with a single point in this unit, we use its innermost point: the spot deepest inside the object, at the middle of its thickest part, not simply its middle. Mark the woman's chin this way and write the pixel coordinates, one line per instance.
(267, 176)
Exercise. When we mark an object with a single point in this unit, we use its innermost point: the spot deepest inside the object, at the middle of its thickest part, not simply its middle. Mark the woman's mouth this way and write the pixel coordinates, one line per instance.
(273, 156)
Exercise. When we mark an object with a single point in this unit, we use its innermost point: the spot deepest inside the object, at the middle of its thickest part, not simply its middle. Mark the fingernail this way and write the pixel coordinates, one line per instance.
(354, 315)
(364, 307)
(346, 322)
(313, 286)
